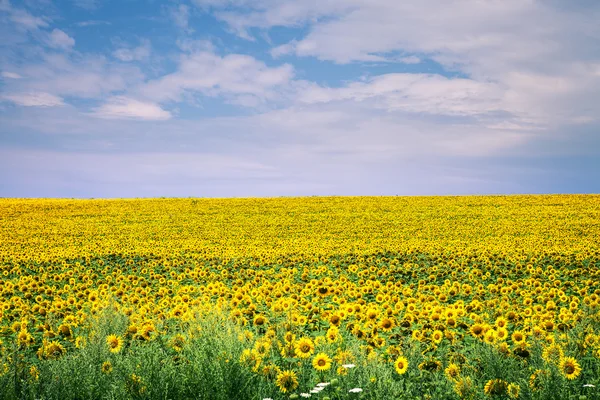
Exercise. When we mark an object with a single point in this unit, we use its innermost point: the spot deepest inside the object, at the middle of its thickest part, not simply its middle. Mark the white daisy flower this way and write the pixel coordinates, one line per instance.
(355, 390)
(348, 366)
(323, 384)
(306, 395)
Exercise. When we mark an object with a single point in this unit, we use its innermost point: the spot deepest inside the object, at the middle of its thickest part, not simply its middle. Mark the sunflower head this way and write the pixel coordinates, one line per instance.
(495, 387)
(304, 347)
(107, 367)
(513, 390)
(452, 371)
(570, 368)
(115, 343)
(401, 365)
(287, 381)
(321, 362)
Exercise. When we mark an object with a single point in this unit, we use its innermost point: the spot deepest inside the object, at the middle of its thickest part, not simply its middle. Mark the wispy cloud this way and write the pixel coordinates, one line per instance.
(120, 107)
(25, 20)
(10, 75)
(34, 99)
(181, 15)
(59, 39)
(89, 76)
(213, 75)
(92, 23)
(138, 53)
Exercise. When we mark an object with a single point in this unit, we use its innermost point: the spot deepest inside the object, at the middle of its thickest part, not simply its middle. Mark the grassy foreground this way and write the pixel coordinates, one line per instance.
(375, 298)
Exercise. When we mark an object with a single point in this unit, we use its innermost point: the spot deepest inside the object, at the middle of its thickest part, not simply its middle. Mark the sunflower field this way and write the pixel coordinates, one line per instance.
(477, 297)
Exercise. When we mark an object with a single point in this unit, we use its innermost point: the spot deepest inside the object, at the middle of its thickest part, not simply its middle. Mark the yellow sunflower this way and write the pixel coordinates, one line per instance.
(513, 390)
(570, 368)
(287, 381)
(321, 362)
(401, 365)
(495, 387)
(452, 371)
(305, 347)
(259, 320)
(115, 343)
(107, 367)
(437, 336)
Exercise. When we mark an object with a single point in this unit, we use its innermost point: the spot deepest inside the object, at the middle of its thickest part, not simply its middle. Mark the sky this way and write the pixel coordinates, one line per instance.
(254, 98)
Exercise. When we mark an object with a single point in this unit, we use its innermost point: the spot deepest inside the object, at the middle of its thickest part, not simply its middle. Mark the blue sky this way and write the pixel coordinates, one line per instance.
(222, 98)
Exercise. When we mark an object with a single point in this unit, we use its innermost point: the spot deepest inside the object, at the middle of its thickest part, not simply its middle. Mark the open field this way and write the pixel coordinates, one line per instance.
(400, 297)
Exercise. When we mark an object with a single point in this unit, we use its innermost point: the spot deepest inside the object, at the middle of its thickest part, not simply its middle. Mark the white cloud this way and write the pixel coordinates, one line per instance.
(181, 15)
(10, 75)
(34, 99)
(546, 69)
(26, 20)
(416, 93)
(283, 50)
(59, 39)
(139, 53)
(92, 23)
(120, 107)
(410, 60)
(213, 75)
(73, 74)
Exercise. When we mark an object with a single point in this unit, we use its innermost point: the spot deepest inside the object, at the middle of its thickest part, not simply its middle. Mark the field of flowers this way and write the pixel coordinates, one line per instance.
(329, 298)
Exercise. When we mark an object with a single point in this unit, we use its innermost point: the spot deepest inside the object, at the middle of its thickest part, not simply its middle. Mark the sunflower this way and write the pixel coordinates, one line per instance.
(65, 330)
(146, 332)
(287, 381)
(305, 347)
(262, 347)
(335, 320)
(332, 335)
(54, 350)
(24, 338)
(464, 387)
(321, 362)
(553, 354)
(536, 380)
(115, 343)
(518, 337)
(289, 337)
(513, 390)
(287, 350)
(452, 371)
(501, 322)
(570, 367)
(178, 342)
(477, 330)
(495, 387)
(107, 367)
(372, 314)
(501, 334)
(386, 324)
(270, 371)
(259, 320)
(431, 365)
(401, 365)
(490, 337)
(437, 336)
(34, 372)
